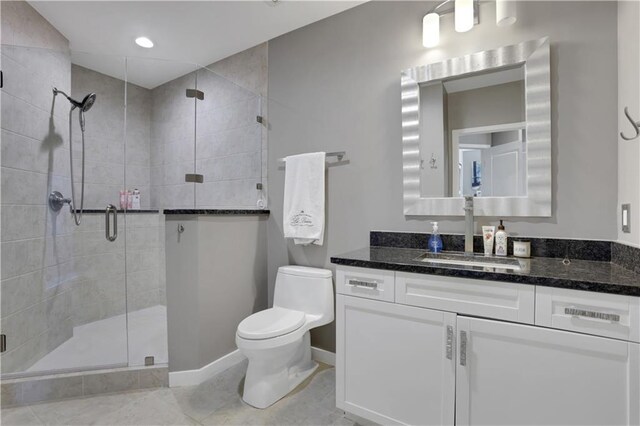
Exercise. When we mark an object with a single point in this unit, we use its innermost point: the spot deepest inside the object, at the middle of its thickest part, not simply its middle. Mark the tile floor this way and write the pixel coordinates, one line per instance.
(215, 402)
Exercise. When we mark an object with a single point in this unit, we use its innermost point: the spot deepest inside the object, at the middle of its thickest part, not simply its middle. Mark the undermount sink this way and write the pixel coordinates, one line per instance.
(461, 259)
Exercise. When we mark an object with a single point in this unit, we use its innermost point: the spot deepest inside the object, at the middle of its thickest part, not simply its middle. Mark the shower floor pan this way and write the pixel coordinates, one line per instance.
(104, 342)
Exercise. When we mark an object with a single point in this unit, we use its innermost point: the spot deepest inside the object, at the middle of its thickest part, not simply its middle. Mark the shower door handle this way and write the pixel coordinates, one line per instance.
(107, 224)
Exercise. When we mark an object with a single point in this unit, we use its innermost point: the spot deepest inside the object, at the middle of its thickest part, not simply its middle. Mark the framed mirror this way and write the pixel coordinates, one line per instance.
(479, 125)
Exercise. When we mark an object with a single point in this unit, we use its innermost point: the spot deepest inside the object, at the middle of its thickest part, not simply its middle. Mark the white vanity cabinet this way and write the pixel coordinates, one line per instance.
(449, 360)
(521, 374)
(395, 364)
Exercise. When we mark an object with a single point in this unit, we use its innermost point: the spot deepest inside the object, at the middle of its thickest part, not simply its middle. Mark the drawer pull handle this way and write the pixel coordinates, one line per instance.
(463, 348)
(369, 285)
(449, 347)
(592, 314)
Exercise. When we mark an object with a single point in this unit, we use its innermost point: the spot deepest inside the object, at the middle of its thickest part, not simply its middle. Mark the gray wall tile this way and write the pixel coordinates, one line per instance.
(154, 378)
(110, 382)
(48, 389)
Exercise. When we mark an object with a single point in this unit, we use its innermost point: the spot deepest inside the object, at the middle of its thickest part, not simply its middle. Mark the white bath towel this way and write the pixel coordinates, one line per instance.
(303, 218)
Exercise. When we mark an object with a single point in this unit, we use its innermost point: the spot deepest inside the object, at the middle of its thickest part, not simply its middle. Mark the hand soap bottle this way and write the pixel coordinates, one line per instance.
(435, 242)
(501, 241)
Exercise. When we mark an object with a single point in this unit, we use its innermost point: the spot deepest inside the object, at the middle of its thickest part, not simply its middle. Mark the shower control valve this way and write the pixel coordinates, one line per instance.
(56, 201)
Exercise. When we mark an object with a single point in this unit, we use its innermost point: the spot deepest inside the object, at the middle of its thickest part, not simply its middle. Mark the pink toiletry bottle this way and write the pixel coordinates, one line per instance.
(123, 200)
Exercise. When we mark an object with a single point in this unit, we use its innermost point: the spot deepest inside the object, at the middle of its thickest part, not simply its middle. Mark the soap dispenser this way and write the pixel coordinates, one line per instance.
(501, 241)
(435, 242)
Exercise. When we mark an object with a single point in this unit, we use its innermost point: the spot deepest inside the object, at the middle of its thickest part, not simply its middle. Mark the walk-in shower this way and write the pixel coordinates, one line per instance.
(73, 301)
(56, 199)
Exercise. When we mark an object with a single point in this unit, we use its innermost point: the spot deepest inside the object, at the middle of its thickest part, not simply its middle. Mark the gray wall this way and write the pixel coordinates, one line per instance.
(216, 277)
(334, 85)
(629, 96)
(499, 104)
(434, 131)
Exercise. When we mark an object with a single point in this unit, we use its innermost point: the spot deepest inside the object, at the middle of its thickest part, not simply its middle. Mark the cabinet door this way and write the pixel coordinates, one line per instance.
(515, 374)
(392, 362)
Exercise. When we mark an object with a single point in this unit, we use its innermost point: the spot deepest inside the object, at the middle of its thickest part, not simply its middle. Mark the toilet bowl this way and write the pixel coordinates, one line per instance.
(276, 341)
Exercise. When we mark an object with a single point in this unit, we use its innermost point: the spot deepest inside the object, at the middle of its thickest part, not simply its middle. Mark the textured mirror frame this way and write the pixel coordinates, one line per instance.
(534, 54)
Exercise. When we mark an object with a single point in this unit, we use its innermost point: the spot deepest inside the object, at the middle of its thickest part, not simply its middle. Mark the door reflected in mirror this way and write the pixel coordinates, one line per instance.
(472, 135)
(490, 161)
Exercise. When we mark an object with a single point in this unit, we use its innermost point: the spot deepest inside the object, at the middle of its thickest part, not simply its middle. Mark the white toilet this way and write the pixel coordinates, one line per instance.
(276, 341)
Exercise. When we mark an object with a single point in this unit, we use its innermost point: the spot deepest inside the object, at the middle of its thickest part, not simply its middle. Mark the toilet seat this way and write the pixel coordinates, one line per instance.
(270, 323)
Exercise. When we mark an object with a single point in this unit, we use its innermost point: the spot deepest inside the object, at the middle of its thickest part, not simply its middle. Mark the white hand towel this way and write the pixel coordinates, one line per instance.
(303, 218)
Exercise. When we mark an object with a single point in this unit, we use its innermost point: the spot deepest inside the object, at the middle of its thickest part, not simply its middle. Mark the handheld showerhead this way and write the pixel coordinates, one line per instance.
(83, 106)
(88, 102)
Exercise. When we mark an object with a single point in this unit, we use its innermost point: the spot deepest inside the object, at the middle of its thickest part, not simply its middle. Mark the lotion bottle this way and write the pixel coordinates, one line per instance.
(435, 242)
(135, 200)
(501, 241)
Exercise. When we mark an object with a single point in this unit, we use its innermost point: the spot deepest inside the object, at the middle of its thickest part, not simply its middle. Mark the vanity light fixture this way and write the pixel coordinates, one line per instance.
(431, 30)
(144, 42)
(505, 13)
(466, 14)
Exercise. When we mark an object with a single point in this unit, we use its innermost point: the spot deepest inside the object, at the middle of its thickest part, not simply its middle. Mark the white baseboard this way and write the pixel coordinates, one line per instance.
(195, 377)
(323, 356)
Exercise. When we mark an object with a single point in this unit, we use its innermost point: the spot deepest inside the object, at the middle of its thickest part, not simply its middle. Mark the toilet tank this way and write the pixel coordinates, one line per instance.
(305, 289)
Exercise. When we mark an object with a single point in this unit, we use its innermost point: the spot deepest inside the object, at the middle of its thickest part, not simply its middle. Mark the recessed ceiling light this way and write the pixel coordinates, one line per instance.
(144, 42)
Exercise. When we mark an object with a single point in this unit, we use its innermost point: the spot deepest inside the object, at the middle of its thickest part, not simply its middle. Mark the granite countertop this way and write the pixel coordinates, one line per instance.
(588, 275)
(129, 211)
(216, 211)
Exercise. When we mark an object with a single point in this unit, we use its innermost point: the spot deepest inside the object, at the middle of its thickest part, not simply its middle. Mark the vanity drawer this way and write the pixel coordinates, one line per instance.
(367, 283)
(600, 314)
(511, 302)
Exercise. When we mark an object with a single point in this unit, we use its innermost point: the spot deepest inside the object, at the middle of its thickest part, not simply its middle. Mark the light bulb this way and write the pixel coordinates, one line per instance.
(431, 30)
(463, 15)
(505, 13)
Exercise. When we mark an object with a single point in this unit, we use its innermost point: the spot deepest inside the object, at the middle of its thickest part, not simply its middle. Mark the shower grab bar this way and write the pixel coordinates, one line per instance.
(107, 226)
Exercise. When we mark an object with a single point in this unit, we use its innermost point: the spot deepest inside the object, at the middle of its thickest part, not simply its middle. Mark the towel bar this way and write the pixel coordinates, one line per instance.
(338, 154)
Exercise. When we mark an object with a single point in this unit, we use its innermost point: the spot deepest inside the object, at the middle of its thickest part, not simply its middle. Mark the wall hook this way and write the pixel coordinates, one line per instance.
(635, 124)
(433, 161)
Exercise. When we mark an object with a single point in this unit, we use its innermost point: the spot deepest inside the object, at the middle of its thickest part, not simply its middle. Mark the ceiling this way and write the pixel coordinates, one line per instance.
(184, 32)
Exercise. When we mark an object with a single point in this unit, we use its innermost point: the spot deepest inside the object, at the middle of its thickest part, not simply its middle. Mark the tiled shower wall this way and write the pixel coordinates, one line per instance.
(105, 155)
(37, 246)
(101, 264)
(100, 269)
(230, 144)
(172, 147)
(107, 161)
(146, 284)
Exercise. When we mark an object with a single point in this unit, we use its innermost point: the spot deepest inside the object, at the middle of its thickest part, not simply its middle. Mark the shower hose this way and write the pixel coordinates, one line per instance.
(76, 217)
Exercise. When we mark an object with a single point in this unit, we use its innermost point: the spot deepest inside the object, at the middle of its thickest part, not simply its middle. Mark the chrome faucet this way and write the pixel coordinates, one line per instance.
(468, 225)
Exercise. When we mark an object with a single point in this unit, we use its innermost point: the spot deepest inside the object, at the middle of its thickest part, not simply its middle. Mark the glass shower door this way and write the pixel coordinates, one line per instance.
(63, 284)
(159, 154)
(230, 148)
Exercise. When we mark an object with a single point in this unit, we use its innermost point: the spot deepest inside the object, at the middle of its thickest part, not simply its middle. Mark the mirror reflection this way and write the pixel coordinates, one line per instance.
(473, 135)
